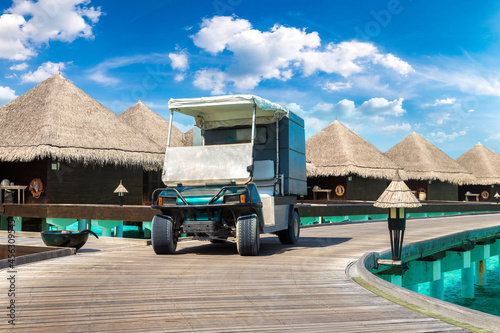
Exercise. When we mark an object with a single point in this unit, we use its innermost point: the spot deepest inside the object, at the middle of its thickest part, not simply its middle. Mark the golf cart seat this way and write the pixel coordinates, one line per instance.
(264, 177)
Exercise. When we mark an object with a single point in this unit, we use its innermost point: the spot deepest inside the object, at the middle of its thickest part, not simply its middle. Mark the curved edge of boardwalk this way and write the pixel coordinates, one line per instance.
(451, 313)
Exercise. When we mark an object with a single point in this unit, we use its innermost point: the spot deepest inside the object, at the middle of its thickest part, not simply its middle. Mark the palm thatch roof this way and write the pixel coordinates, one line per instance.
(187, 139)
(338, 151)
(483, 163)
(151, 125)
(57, 120)
(423, 161)
(397, 195)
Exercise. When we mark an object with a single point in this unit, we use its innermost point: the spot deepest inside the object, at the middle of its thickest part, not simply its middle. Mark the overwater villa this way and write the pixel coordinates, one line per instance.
(72, 149)
(432, 174)
(484, 164)
(344, 166)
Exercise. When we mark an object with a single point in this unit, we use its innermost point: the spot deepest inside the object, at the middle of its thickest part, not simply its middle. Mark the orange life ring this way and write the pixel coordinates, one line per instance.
(485, 195)
(36, 187)
(339, 190)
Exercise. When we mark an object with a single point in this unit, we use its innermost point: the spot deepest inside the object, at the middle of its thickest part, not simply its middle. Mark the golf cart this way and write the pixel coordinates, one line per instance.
(240, 178)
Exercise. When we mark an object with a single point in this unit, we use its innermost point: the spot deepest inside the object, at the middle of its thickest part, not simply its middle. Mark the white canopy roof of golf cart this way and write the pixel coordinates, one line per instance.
(227, 111)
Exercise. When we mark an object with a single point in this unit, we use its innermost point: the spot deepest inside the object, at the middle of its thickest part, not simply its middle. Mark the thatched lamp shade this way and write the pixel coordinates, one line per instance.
(496, 196)
(396, 197)
(120, 190)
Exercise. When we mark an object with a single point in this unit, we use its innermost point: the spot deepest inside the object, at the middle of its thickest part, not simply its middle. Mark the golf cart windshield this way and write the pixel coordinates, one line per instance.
(202, 165)
(228, 162)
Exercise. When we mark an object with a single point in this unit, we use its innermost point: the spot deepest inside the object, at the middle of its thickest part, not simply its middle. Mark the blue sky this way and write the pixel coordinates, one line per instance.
(383, 68)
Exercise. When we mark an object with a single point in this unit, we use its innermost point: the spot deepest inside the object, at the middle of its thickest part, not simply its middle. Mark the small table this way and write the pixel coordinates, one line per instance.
(471, 195)
(19, 188)
(323, 191)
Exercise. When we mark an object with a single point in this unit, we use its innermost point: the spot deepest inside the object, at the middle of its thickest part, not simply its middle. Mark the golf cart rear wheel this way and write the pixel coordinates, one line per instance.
(248, 235)
(291, 235)
(163, 237)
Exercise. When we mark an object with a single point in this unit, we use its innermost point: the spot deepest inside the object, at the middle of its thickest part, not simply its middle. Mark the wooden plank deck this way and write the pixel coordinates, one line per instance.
(209, 288)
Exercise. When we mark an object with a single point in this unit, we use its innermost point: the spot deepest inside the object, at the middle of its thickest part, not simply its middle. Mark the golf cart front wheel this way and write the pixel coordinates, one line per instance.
(163, 236)
(248, 235)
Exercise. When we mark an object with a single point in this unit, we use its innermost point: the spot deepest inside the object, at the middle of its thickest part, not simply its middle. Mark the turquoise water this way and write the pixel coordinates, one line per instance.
(487, 297)
(350, 218)
(129, 231)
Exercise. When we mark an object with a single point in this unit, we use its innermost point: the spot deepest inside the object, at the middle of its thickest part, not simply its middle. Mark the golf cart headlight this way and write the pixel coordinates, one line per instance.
(167, 201)
(235, 198)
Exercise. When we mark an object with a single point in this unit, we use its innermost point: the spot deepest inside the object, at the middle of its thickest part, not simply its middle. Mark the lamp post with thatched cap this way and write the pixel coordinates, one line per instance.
(120, 190)
(496, 196)
(397, 196)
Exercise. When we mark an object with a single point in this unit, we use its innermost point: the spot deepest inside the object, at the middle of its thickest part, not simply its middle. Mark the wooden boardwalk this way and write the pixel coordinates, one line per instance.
(209, 288)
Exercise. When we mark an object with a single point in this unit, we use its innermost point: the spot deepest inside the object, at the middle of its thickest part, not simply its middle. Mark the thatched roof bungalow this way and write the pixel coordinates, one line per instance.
(78, 148)
(484, 164)
(338, 157)
(429, 169)
(152, 125)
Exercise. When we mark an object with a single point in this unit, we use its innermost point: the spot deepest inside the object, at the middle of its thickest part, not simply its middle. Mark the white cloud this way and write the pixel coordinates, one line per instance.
(210, 79)
(43, 72)
(6, 95)
(336, 86)
(375, 108)
(152, 76)
(340, 59)
(14, 42)
(445, 101)
(393, 62)
(313, 125)
(103, 78)
(470, 79)
(443, 118)
(403, 127)
(19, 67)
(280, 53)
(179, 77)
(323, 107)
(441, 137)
(179, 61)
(294, 107)
(381, 106)
(216, 33)
(28, 24)
(346, 108)
(494, 137)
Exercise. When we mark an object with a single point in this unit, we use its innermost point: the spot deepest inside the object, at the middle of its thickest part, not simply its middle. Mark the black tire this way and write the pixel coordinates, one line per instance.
(248, 235)
(163, 236)
(291, 235)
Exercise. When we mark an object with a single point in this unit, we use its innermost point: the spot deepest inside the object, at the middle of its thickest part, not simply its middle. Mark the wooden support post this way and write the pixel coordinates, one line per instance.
(107, 225)
(146, 226)
(18, 220)
(82, 224)
(481, 273)
(468, 282)
(119, 230)
(437, 288)
(396, 279)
